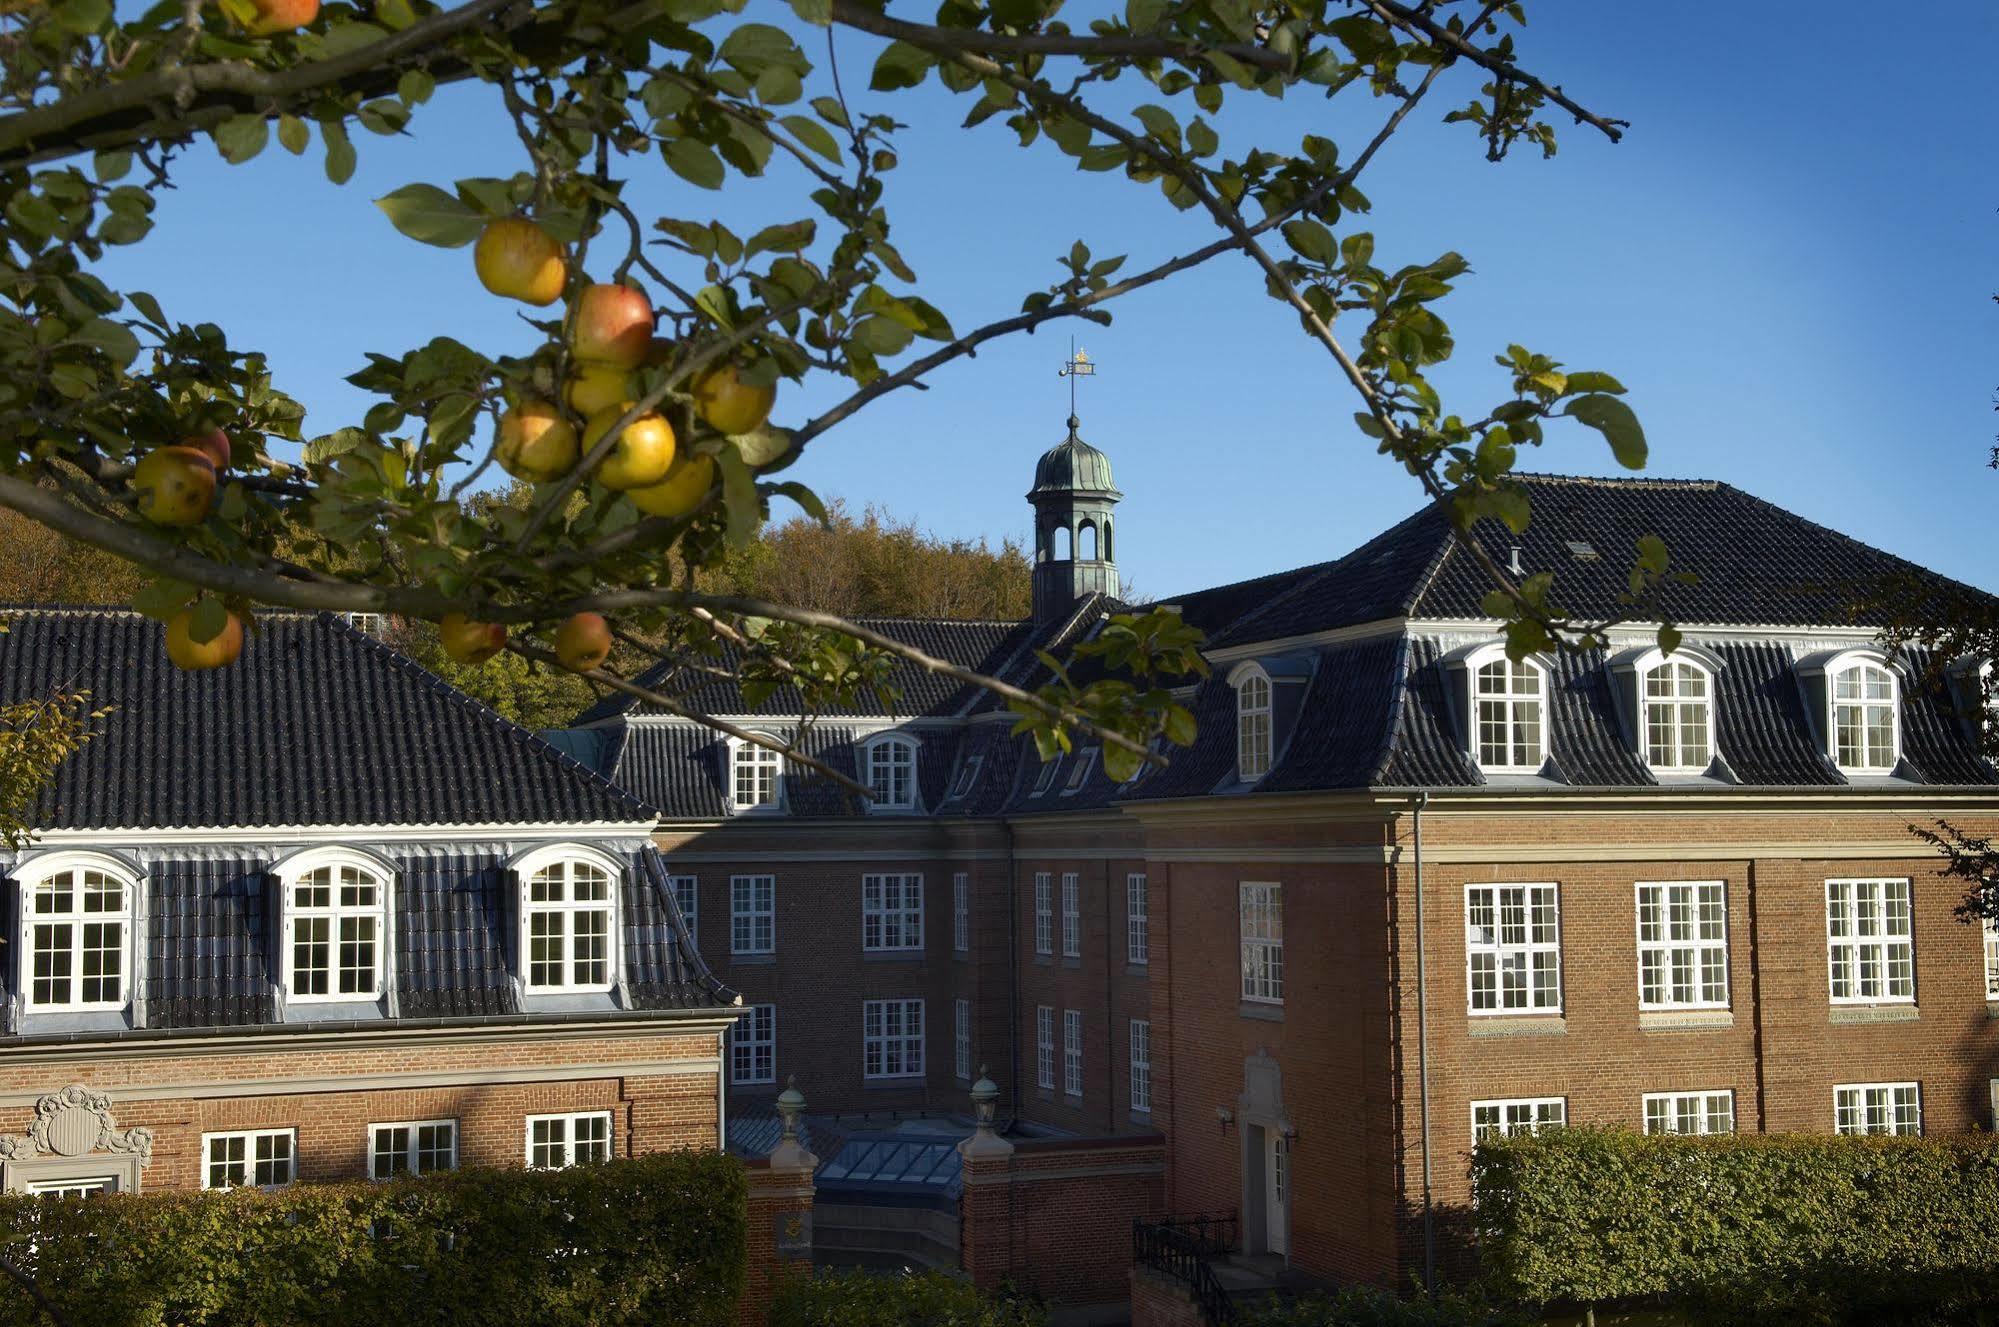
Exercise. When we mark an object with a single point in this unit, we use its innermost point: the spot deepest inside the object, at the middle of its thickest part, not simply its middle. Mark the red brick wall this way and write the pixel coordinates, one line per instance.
(774, 1195)
(1158, 1300)
(1055, 1217)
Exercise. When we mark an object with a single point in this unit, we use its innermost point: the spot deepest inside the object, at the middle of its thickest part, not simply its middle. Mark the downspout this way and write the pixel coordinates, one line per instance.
(1012, 979)
(1423, 1057)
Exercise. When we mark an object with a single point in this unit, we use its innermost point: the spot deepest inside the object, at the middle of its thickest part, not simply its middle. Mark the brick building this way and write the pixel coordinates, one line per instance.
(1400, 892)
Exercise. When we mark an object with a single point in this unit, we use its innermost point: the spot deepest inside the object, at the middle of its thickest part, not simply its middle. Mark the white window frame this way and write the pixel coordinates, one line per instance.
(38, 871)
(1255, 724)
(1079, 773)
(1045, 778)
(892, 756)
(528, 868)
(1072, 915)
(763, 770)
(881, 1047)
(1519, 1115)
(1864, 746)
(1072, 1052)
(756, 920)
(1137, 920)
(1260, 925)
(1044, 913)
(968, 773)
(1141, 1066)
(1856, 943)
(961, 1039)
(569, 1144)
(961, 912)
(1508, 719)
(1701, 956)
(412, 1147)
(686, 891)
(1044, 1047)
(1669, 1110)
(250, 1139)
(291, 873)
(1991, 932)
(1863, 1099)
(753, 1055)
(889, 922)
(1517, 958)
(1677, 705)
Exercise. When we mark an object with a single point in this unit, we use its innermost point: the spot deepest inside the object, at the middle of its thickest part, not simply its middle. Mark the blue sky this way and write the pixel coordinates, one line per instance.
(1787, 261)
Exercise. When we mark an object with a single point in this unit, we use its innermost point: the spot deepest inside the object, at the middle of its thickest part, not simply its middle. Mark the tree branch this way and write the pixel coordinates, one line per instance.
(849, 13)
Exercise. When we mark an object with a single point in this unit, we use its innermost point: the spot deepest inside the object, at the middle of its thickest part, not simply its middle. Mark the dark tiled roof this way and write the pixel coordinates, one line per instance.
(454, 937)
(1585, 738)
(1425, 751)
(316, 724)
(211, 949)
(1379, 579)
(1760, 723)
(662, 968)
(1341, 734)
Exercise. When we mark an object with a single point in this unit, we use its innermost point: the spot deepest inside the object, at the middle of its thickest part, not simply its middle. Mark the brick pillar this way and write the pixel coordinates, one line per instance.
(780, 1215)
(985, 1208)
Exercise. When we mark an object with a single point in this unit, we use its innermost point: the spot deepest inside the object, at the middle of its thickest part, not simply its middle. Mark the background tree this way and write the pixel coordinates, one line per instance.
(653, 454)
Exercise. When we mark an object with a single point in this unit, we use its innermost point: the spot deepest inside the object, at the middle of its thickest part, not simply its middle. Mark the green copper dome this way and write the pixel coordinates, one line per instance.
(1072, 466)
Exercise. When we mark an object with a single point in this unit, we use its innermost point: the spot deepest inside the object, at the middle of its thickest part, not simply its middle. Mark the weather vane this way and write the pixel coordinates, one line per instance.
(1078, 365)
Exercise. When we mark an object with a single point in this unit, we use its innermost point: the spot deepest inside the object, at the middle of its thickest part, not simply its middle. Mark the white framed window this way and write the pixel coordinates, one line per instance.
(413, 1147)
(1137, 938)
(1260, 908)
(1072, 1052)
(336, 926)
(1864, 707)
(755, 777)
(753, 1046)
(1044, 913)
(961, 1038)
(555, 1142)
(88, 1187)
(891, 913)
(753, 914)
(968, 774)
(1895, 1108)
(1991, 930)
(1513, 949)
(1141, 1066)
(1690, 1112)
(1072, 915)
(1870, 942)
(1044, 1046)
(76, 932)
(891, 773)
(892, 1038)
(1509, 706)
(1046, 778)
(1678, 696)
(568, 916)
(1079, 773)
(1252, 724)
(263, 1157)
(961, 912)
(1682, 944)
(687, 897)
(1516, 1115)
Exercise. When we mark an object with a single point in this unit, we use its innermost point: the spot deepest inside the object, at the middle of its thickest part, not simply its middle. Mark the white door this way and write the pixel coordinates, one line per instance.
(1276, 1179)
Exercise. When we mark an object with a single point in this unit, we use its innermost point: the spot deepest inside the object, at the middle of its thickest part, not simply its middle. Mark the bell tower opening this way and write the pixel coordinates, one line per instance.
(1072, 497)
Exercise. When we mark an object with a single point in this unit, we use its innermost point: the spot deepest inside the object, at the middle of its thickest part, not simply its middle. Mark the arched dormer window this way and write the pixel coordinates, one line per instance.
(1508, 709)
(336, 903)
(76, 932)
(889, 761)
(569, 909)
(754, 782)
(1857, 698)
(1667, 705)
(1253, 728)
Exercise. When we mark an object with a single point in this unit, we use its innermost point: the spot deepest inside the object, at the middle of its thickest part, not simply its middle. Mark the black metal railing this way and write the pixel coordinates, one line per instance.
(1183, 1247)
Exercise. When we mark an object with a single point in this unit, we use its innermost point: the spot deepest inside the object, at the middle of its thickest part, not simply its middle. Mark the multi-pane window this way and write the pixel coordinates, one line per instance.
(1878, 1108)
(753, 776)
(961, 912)
(1141, 1066)
(1072, 1052)
(892, 774)
(891, 912)
(558, 1141)
(566, 915)
(1683, 945)
(79, 929)
(1991, 959)
(79, 1188)
(968, 774)
(263, 1157)
(1044, 913)
(752, 914)
(687, 897)
(1079, 773)
(1252, 726)
(753, 1046)
(961, 1038)
(1072, 916)
(1863, 718)
(1513, 948)
(1508, 707)
(891, 1038)
(1046, 777)
(335, 926)
(1870, 941)
(1044, 1046)
(1137, 939)
(1677, 710)
(1261, 909)
(416, 1148)
(1517, 1115)
(1690, 1112)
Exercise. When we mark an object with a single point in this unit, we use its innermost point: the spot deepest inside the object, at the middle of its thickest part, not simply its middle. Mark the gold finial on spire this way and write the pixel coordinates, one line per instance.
(1078, 365)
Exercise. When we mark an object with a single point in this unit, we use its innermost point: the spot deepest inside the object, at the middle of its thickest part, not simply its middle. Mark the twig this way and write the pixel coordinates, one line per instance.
(850, 14)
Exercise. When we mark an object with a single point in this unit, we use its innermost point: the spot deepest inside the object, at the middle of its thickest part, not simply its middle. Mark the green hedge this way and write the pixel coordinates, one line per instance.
(1793, 1228)
(1358, 1306)
(872, 1299)
(654, 1240)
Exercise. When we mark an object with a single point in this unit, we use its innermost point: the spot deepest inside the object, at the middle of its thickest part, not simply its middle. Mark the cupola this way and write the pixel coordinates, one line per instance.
(1074, 546)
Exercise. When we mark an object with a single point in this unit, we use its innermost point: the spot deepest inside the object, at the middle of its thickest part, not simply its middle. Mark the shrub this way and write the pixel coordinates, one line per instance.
(870, 1299)
(658, 1239)
(1359, 1306)
(1745, 1228)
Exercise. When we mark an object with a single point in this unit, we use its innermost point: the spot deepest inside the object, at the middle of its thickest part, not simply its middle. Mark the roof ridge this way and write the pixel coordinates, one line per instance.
(1619, 481)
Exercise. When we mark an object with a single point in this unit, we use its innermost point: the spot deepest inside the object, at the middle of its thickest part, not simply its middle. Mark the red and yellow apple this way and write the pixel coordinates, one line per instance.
(214, 444)
(275, 16)
(518, 259)
(537, 443)
(683, 490)
(195, 656)
(611, 325)
(469, 642)
(583, 642)
(641, 454)
(727, 404)
(176, 485)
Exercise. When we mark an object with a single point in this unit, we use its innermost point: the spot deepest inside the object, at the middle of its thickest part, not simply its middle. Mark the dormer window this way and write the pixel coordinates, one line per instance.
(1046, 776)
(336, 910)
(1863, 718)
(568, 915)
(1080, 774)
(76, 930)
(968, 773)
(753, 776)
(1679, 716)
(1253, 728)
(1509, 705)
(890, 762)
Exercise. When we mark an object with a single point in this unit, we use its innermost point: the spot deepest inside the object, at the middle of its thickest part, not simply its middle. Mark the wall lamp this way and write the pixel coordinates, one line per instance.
(1290, 1132)
(1225, 1116)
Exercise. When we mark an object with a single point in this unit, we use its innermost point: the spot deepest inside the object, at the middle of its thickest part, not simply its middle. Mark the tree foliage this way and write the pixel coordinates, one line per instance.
(36, 736)
(870, 1299)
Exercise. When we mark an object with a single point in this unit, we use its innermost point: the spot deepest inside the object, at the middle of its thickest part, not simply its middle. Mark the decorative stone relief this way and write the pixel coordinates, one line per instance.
(1262, 1096)
(73, 1122)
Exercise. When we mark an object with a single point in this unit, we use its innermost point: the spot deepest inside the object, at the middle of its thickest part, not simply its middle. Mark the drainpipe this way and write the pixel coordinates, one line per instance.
(1423, 1057)
(1012, 978)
